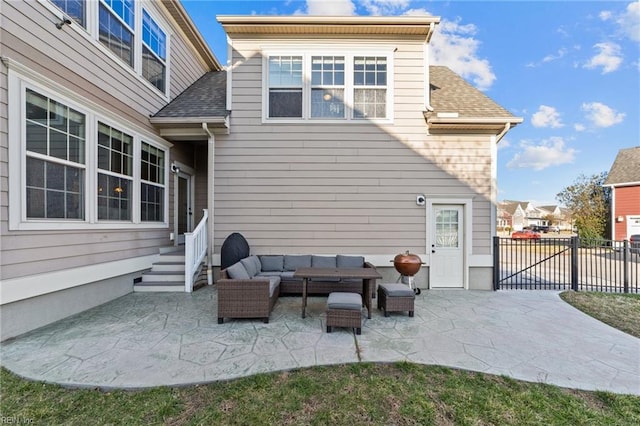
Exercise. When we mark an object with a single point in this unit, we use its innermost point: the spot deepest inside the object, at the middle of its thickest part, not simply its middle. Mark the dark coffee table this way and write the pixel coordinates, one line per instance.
(367, 275)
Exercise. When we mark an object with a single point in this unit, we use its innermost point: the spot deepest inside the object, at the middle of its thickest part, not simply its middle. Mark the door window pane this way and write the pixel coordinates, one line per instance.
(446, 222)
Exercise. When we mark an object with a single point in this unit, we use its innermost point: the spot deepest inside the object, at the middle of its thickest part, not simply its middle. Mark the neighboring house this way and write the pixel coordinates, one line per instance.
(86, 193)
(512, 215)
(324, 135)
(624, 181)
(557, 216)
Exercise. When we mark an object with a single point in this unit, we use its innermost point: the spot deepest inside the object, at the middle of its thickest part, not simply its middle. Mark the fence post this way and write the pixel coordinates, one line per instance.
(575, 243)
(625, 265)
(496, 263)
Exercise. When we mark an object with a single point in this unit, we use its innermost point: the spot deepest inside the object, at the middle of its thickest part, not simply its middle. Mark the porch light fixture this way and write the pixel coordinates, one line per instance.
(175, 169)
(620, 219)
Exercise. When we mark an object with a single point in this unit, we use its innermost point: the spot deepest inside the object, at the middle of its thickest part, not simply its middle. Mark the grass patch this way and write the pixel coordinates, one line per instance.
(621, 311)
(357, 394)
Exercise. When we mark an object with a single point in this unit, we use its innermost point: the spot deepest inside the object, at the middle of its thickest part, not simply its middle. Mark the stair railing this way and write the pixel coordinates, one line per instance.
(195, 250)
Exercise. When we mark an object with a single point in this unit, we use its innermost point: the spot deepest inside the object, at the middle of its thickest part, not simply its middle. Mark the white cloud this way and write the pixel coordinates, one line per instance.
(562, 52)
(629, 21)
(550, 152)
(385, 7)
(454, 45)
(504, 143)
(330, 7)
(605, 15)
(546, 116)
(609, 57)
(602, 115)
(579, 127)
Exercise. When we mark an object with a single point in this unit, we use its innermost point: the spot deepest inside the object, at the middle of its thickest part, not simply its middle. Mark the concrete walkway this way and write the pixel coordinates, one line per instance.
(143, 340)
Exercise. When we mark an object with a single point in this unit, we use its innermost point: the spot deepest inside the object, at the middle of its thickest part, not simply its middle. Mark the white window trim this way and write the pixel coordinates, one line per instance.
(19, 78)
(349, 52)
(90, 33)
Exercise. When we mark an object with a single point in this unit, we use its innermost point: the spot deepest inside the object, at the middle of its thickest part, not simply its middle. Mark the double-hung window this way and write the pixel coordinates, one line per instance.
(327, 86)
(55, 151)
(285, 86)
(152, 184)
(154, 52)
(115, 173)
(116, 27)
(370, 87)
(342, 86)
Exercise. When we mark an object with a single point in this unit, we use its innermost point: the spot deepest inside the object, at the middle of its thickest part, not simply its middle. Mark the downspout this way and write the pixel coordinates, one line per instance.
(427, 72)
(211, 156)
(507, 127)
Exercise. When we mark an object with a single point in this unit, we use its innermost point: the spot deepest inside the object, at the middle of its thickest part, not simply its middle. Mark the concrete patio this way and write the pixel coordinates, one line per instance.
(144, 340)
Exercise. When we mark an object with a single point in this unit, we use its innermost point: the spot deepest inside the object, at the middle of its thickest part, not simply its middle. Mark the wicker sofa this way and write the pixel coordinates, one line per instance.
(250, 287)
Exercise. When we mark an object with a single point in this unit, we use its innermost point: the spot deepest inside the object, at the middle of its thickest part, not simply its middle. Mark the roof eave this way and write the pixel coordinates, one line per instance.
(190, 128)
(400, 25)
(183, 19)
(469, 123)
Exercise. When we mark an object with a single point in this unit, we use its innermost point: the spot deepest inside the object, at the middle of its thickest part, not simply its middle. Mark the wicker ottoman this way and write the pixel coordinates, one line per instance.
(395, 298)
(344, 310)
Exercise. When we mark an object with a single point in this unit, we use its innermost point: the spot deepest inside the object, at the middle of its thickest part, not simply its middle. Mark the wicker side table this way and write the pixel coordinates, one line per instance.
(344, 310)
(395, 298)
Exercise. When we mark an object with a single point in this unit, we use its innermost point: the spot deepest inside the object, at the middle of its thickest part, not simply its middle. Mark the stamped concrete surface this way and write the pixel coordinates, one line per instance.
(143, 340)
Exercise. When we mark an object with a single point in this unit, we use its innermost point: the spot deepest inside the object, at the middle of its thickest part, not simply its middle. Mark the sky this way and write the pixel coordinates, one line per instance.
(571, 69)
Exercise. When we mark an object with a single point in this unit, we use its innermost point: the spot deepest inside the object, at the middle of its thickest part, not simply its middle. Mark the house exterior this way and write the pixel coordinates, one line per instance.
(511, 216)
(344, 140)
(624, 181)
(323, 135)
(86, 189)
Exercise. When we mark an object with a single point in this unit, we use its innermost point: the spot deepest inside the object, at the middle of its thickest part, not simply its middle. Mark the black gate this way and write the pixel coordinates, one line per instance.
(565, 263)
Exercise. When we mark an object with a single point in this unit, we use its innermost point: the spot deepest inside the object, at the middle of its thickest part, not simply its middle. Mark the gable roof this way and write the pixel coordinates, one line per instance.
(625, 168)
(457, 103)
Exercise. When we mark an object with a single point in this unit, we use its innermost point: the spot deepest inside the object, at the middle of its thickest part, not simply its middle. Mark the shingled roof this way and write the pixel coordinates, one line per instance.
(625, 168)
(207, 97)
(451, 93)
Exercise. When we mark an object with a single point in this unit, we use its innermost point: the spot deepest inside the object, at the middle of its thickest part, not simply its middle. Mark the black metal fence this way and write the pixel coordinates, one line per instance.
(566, 263)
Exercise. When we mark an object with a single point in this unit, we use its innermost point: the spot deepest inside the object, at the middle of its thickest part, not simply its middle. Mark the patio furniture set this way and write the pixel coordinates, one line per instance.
(250, 287)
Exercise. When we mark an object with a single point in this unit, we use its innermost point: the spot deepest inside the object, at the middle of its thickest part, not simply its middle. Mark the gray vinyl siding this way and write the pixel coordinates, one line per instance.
(69, 59)
(343, 187)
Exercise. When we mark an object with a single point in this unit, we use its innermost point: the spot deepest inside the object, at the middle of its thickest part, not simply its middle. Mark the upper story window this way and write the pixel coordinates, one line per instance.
(344, 87)
(285, 86)
(129, 30)
(116, 23)
(370, 86)
(154, 52)
(327, 86)
(75, 9)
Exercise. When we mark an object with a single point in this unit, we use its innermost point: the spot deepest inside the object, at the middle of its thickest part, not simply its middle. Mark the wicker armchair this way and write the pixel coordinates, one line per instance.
(245, 298)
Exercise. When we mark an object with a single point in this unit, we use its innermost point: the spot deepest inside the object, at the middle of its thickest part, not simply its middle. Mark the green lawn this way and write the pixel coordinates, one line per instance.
(356, 394)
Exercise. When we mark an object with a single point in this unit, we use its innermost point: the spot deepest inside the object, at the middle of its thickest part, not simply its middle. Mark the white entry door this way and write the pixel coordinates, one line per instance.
(446, 268)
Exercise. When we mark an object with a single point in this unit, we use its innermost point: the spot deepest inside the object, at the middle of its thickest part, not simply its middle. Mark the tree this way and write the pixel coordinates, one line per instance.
(589, 203)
